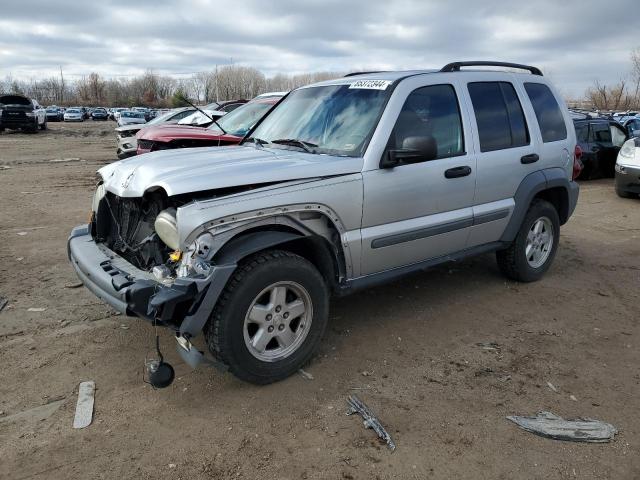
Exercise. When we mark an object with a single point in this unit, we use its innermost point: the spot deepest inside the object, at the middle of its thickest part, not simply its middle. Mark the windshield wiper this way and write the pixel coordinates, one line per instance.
(306, 146)
(257, 141)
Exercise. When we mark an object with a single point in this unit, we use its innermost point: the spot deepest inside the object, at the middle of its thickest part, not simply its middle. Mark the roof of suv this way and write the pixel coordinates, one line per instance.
(452, 67)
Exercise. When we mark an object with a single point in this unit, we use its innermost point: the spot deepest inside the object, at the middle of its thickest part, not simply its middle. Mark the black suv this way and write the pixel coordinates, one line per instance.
(19, 112)
(600, 140)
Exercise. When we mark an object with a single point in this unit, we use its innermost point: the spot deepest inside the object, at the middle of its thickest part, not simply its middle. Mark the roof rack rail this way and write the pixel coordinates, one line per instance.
(455, 66)
(362, 73)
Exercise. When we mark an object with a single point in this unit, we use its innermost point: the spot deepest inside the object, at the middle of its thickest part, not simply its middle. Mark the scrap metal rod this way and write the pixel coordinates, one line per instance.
(370, 421)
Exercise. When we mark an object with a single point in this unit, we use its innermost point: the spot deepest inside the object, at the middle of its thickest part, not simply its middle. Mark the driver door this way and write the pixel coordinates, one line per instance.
(421, 208)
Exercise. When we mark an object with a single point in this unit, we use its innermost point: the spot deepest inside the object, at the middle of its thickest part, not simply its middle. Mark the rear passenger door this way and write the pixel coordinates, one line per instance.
(506, 152)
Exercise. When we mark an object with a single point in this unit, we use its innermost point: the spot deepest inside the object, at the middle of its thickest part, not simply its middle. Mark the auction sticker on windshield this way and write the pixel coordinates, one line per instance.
(371, 84)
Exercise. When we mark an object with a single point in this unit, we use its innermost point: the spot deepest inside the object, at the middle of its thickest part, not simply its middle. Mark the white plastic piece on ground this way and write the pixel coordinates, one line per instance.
(84, 407)
(546, 424)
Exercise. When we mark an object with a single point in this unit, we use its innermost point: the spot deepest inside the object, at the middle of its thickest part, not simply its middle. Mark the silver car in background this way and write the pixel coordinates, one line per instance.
(131, 117)
(73, 115)
(126, 134)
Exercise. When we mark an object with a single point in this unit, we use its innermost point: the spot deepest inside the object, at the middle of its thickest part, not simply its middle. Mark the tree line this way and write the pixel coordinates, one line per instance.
(623, 95)
(150, 89)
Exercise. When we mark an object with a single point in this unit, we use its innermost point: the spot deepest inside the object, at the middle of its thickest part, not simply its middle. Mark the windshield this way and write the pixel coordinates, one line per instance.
(240, 121)
(332, 119)
(132, 115)
(73, 110)
(162, 118)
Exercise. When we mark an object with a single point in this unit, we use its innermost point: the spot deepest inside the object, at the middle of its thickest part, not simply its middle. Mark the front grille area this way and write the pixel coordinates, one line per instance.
(145, 144)
(9, 117)
(125, 225)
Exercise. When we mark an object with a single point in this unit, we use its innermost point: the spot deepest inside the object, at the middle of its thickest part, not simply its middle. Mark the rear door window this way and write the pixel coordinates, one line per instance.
(550, 119)
(499, 116)
(600, 133)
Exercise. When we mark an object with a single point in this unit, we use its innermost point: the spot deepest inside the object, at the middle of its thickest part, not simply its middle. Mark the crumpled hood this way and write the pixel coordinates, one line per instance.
(197, 169)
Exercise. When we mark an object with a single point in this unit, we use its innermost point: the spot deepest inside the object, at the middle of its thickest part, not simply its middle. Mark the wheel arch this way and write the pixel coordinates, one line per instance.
(322, 248)
(551, 185)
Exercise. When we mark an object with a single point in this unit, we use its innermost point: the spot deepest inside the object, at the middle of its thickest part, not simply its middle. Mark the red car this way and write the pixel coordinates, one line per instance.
(229, 130)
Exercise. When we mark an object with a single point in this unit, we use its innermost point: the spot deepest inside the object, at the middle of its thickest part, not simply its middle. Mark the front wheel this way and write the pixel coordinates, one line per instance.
(44, 125)
(270, 317)
(531, 253)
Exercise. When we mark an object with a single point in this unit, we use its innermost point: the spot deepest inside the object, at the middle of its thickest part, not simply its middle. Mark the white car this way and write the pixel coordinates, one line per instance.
(199, 119)
(126, 135)
(73, 115)
(628, 169)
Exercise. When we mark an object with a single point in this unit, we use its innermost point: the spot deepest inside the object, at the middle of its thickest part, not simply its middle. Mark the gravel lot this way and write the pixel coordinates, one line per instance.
(409, 350)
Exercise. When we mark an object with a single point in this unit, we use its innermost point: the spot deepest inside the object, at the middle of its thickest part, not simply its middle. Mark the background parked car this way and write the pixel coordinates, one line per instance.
(19, 112)
(74, 115)
(600, 141)
(130, 117)
(54, 114)
(114, 113)
(126, 135)
(202, 118)
(628, 169)
(99, 114)
(633, 127)
(229, 130)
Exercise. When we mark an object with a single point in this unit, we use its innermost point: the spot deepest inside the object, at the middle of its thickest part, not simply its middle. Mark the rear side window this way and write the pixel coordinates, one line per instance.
(548, 112)
(499, 115)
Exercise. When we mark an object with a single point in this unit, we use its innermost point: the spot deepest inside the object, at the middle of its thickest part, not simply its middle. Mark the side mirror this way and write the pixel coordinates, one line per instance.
(414, 150)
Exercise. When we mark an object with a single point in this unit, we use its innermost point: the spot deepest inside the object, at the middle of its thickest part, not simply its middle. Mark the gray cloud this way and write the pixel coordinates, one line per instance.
(575, 42)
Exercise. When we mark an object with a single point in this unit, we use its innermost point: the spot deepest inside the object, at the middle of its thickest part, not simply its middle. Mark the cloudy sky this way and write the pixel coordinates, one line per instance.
(574, 41)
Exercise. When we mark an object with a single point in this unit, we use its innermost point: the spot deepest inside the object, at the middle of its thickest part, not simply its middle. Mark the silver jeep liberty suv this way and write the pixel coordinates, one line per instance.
(342, 185)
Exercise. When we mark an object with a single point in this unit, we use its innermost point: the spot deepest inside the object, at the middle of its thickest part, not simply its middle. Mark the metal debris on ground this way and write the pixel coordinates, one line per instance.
(36, 309)
(492, 346)
(546, 424)
(84, 407)
(3, 303)
(306, 375)
(552, 387)
(74, 285)
(370, 420)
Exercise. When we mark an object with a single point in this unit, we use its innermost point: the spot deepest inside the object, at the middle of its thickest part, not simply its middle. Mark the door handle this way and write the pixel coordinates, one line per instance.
(531, 158)
(457, 172)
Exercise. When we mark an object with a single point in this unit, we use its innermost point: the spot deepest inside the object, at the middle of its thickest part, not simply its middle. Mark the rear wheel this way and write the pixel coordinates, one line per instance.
(531, 253)
(270, 317)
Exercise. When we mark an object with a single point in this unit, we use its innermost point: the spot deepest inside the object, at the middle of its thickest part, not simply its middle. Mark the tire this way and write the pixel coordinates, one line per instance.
(229, 330)
(44, 125)
(625, 194)
(513, 261)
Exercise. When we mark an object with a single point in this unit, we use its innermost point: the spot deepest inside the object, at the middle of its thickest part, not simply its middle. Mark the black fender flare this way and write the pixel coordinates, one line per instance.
(530, 186)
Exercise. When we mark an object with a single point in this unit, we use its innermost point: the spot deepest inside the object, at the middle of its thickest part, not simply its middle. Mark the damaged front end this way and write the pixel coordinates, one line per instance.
(127, 256)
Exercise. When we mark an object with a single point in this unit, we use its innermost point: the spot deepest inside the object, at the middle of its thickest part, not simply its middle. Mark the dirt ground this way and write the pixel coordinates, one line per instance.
(409, 350)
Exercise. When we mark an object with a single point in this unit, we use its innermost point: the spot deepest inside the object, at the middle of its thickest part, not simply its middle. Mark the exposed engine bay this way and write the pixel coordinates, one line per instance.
(126, 226)
(144, 232)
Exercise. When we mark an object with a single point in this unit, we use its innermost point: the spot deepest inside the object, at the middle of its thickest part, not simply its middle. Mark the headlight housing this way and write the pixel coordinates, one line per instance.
(97, 197)
(628, 149)
(166, 226)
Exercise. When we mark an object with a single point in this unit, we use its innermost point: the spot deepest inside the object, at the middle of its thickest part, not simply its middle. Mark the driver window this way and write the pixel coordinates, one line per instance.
(432, 115)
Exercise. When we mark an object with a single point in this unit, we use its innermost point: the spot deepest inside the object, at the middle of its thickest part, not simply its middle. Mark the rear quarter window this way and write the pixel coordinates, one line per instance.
(548, 114)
